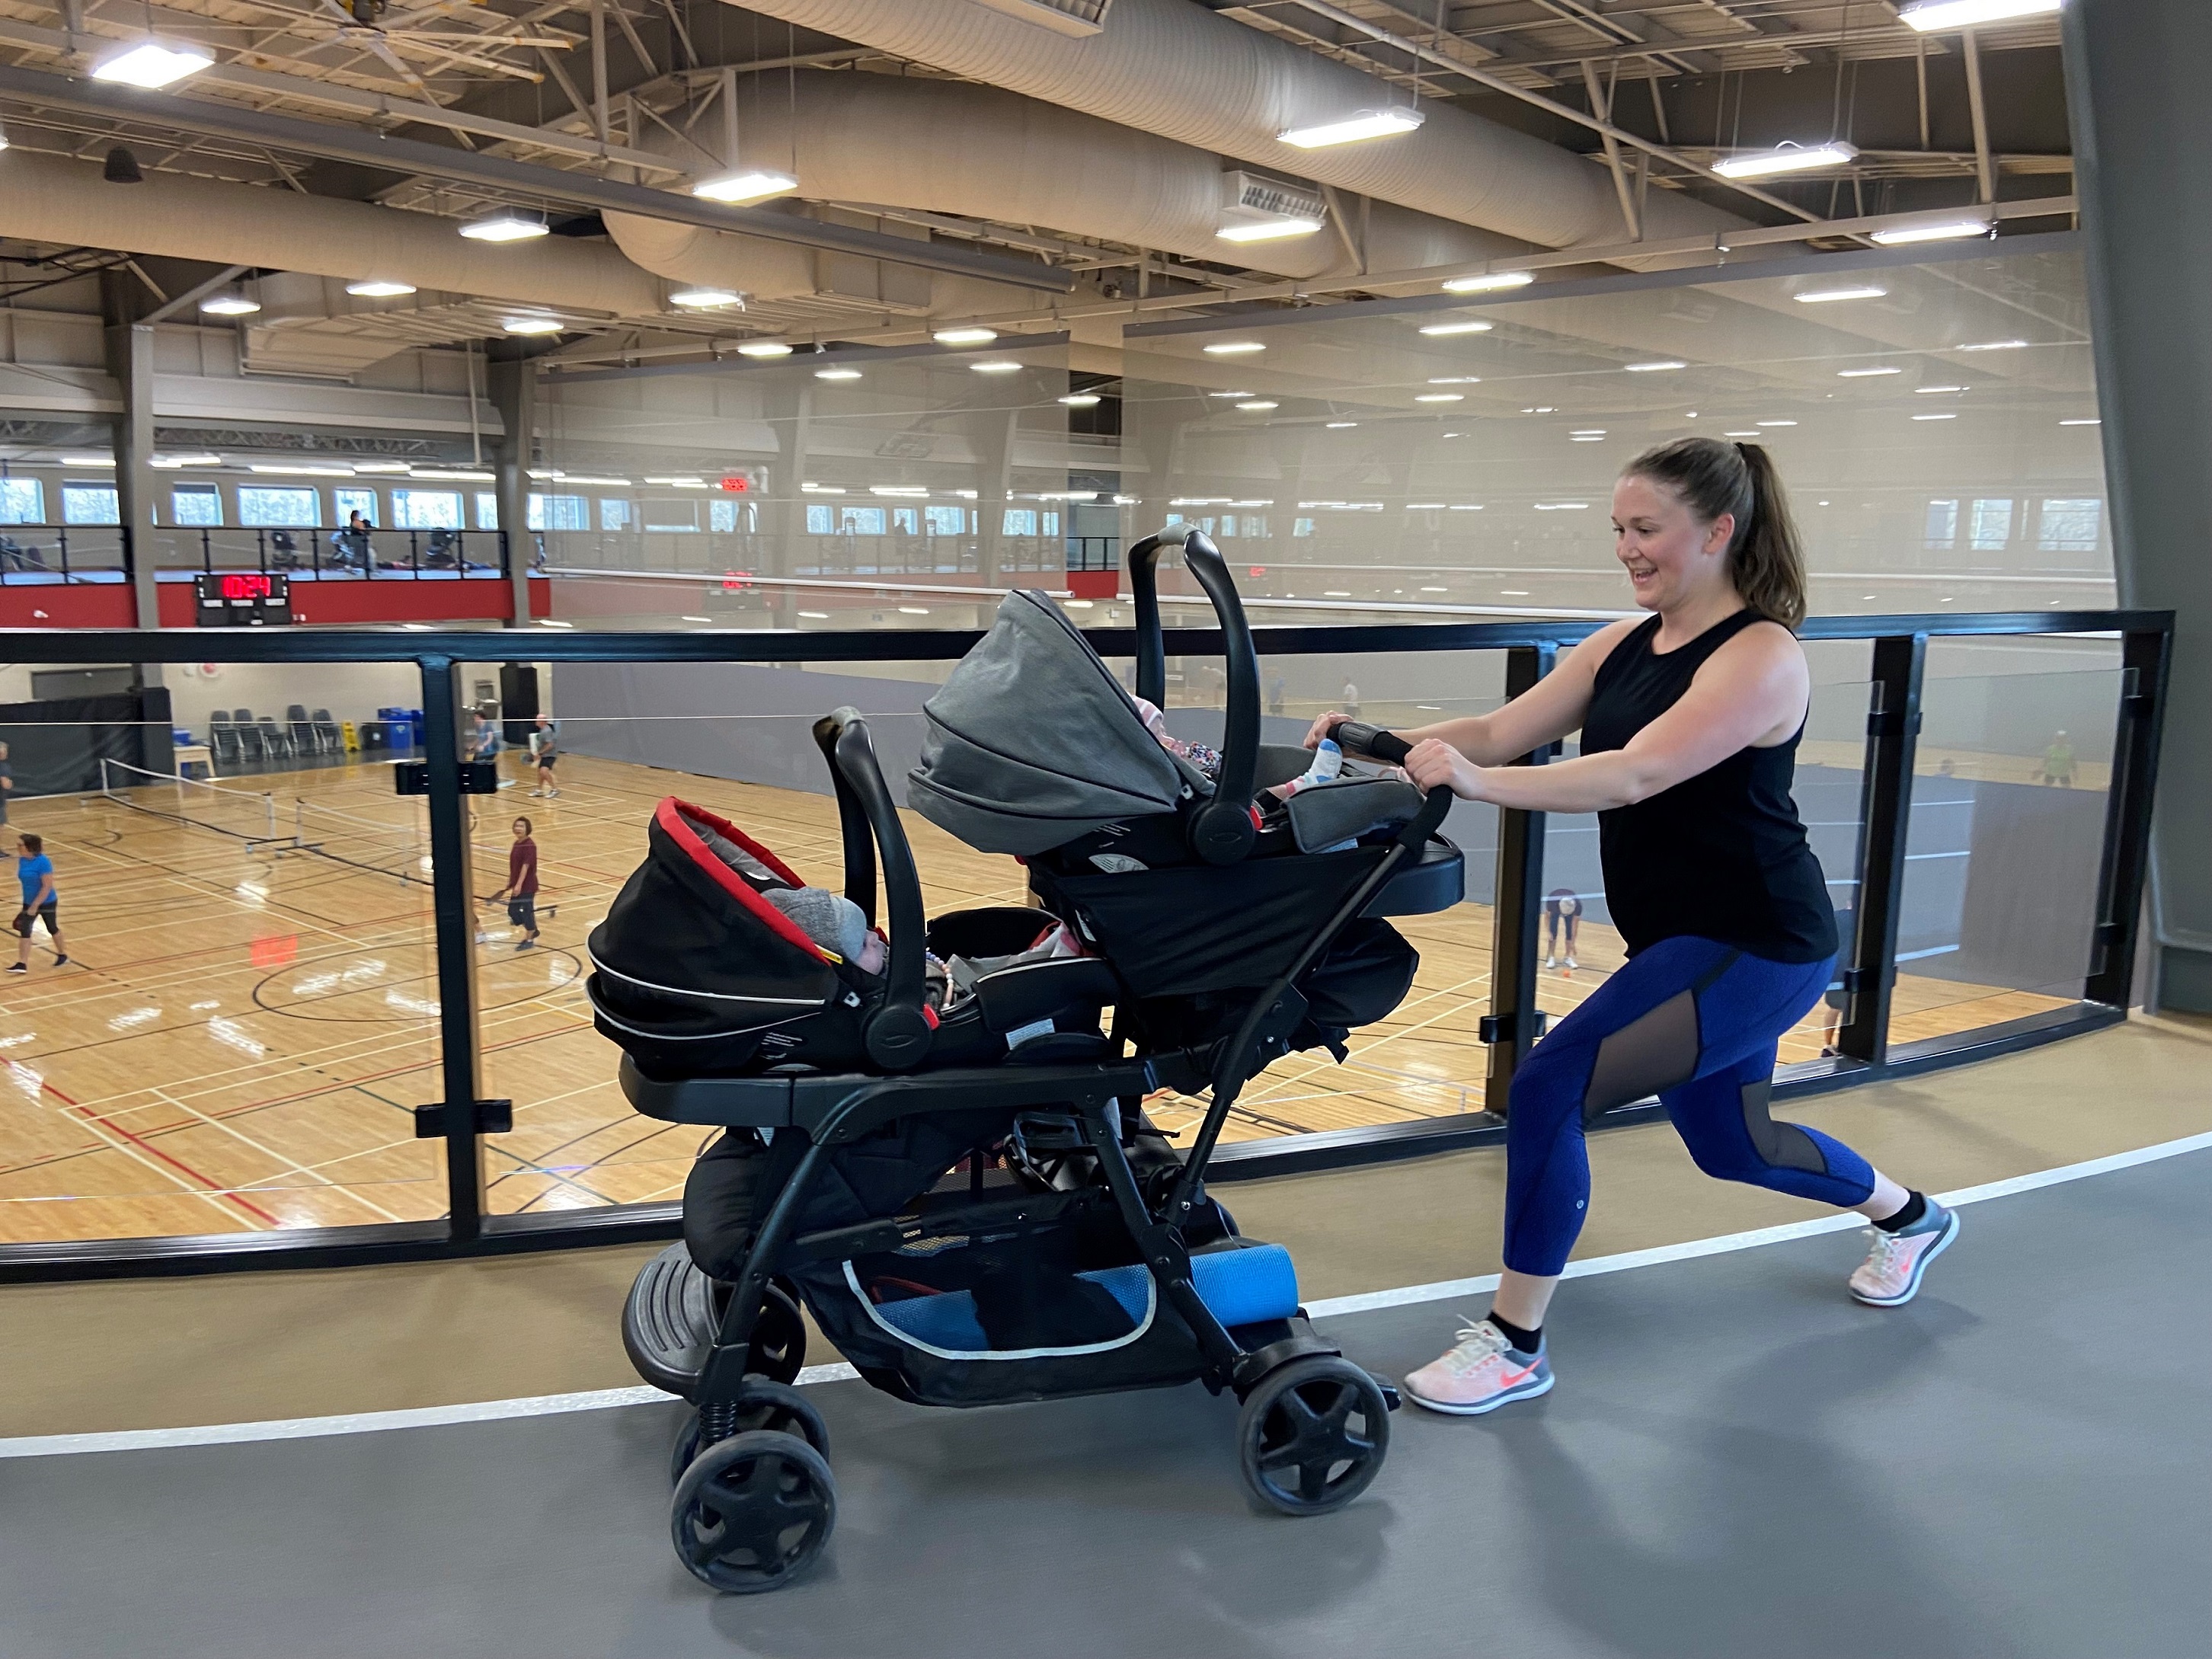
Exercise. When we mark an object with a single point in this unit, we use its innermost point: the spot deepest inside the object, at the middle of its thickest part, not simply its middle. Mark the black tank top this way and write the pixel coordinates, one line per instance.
(1722, 855)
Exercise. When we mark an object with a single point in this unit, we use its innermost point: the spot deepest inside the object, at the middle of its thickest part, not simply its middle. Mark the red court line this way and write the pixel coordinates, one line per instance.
(214, 1187)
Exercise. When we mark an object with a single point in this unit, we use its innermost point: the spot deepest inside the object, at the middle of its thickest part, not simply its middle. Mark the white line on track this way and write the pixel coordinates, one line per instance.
(490, 1411)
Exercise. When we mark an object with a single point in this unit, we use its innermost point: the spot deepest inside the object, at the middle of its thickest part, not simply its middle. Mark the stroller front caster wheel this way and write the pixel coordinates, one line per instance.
(753, 1511)
(761, 1407)
(1313, 1435)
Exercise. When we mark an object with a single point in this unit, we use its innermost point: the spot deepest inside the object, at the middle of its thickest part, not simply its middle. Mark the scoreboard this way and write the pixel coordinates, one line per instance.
(242, 598)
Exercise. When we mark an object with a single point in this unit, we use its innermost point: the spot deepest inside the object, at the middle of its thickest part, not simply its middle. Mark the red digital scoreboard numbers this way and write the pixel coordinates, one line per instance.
(242, 598)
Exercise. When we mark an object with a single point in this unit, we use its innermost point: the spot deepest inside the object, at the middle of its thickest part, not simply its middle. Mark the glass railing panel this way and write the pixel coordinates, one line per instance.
(2007, 828)
(249, 1013)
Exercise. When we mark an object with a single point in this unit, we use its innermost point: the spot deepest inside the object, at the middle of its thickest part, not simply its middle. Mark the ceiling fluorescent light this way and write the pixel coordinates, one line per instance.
(461, 475)
(1785, 158)
(2087, 420)
(170, 463)
(378, 289)
(1270, 230)
(1923, 390)
(705, 299)
(763, 349)
(1825, 295)
(1367, 123)
(92, 461)
(836, 373)
(1440, 397)
(1233, 348)
(1864, 373)
(150, 64)
(974, 336)
(1932, 14)
(752, 185)
(1081, 400)
(531, 325)
(1663, 363)
(1946, 230)
(1256, 406)
(995, 368)
(385, 466)
(229, 303)
(1458, 328)
(505, 226)
(1342, 426)
(1489, 281)
(1993, 345)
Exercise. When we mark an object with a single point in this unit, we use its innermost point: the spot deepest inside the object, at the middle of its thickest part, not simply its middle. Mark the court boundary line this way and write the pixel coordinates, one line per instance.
(550, 1405)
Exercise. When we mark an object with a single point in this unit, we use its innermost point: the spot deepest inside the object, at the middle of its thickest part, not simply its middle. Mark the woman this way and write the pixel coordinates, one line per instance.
(545, 750)
(1690, 721)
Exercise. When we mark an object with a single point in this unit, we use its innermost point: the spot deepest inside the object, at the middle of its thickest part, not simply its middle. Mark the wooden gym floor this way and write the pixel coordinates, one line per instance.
(244, 1027)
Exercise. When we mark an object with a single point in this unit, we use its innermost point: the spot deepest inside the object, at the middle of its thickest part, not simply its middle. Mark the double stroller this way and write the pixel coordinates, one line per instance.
(937, 1144)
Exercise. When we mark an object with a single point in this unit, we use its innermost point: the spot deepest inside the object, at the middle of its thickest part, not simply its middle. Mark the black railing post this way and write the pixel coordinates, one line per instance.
(2144, 659)
(1511, 1029)
(452, 907)
(65, 553)
(1886, 825)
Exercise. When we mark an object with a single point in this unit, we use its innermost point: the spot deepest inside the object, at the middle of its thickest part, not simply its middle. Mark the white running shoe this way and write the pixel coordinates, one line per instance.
(1551, 961)
(1482, 1373)
(1571, 962)
(1891, 1275)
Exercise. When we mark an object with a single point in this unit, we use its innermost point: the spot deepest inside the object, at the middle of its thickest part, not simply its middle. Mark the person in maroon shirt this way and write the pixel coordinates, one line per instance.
(521, 889)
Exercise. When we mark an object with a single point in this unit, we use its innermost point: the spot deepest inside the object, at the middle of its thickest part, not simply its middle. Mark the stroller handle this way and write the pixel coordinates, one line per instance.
(897, 1034)
(1222, 831)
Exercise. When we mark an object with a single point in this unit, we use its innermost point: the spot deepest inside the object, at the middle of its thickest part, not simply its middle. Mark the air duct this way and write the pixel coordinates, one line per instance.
(942, 147)
(45, 198)
(1175, 70)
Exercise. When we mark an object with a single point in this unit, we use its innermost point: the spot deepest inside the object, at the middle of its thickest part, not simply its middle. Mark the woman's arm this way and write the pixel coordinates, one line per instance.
(1754, 689)
(1546, 712)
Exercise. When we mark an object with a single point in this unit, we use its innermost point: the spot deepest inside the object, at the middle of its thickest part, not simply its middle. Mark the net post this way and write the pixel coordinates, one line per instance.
(452, 905)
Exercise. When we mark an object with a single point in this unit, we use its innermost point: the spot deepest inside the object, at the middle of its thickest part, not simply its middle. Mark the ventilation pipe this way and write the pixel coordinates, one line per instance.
(45, 198)
(942, 146)
(1175, 69)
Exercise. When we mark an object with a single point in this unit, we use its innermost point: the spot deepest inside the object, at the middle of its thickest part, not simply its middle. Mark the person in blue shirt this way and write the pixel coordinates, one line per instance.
(36, 873)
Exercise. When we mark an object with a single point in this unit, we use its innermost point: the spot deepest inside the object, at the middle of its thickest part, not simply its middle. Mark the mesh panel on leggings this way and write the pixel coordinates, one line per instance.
(1654, 1052)
(1779, 1145)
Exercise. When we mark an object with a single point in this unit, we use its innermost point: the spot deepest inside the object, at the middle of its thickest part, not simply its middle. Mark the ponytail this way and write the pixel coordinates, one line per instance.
(1765, 563)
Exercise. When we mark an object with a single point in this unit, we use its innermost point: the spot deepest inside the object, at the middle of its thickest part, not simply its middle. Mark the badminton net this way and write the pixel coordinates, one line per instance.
(249, 815)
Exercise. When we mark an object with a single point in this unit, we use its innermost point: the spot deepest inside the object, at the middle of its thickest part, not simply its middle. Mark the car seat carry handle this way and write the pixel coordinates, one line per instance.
(1222, 831)
(857, 837)
(898, 1033)
(1355, 738)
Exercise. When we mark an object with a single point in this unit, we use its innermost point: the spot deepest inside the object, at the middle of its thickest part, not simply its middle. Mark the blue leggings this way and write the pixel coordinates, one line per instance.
(1695, 1023)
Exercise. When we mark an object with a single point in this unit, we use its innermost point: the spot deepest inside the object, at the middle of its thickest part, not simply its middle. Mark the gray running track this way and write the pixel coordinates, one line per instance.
(1737, 1461)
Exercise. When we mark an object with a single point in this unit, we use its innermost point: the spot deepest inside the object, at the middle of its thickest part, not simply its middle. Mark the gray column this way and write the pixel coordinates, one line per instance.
(790, 409)
(2141, 129)
(993, 437)
(130, 360)
(514, 389)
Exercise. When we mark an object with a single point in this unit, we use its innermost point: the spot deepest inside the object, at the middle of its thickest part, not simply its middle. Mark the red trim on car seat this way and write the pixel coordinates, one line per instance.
(670, 816)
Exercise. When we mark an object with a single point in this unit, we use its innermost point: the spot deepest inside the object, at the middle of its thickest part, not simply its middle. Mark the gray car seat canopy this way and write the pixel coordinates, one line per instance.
(1032, 741)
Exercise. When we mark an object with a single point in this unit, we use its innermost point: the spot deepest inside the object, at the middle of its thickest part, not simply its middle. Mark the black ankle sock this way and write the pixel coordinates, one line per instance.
(1526, 1341)
(1914, 1207)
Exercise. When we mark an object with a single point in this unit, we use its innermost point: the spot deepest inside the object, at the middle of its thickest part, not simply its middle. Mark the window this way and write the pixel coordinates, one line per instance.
(1302, 526)
(2070, 525)
(196, 504)
(486, 510)
(946, 521)
(617, 514)
(1228, 525)
(426, 509)
(263, 507)
(347, 503)
(666, 514)
(820, 521)
(1051, 524)
(1254, 525)
(1992, 523)
(906, 521)
(88, 503)
(722, 515)
(1942, 524)
(862, 521)
(560, 513)
(22, 502)
(1020, 521)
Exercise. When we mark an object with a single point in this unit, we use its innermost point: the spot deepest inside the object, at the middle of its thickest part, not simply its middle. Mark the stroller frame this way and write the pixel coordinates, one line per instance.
(754, 1434)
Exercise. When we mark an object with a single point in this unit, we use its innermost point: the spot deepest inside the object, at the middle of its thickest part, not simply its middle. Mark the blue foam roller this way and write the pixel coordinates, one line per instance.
(1243, 1287)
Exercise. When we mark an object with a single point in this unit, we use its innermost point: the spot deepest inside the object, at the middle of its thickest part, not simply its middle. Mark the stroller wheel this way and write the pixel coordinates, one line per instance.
(1313, 1435)
(761, 1407)
(752, 1511)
